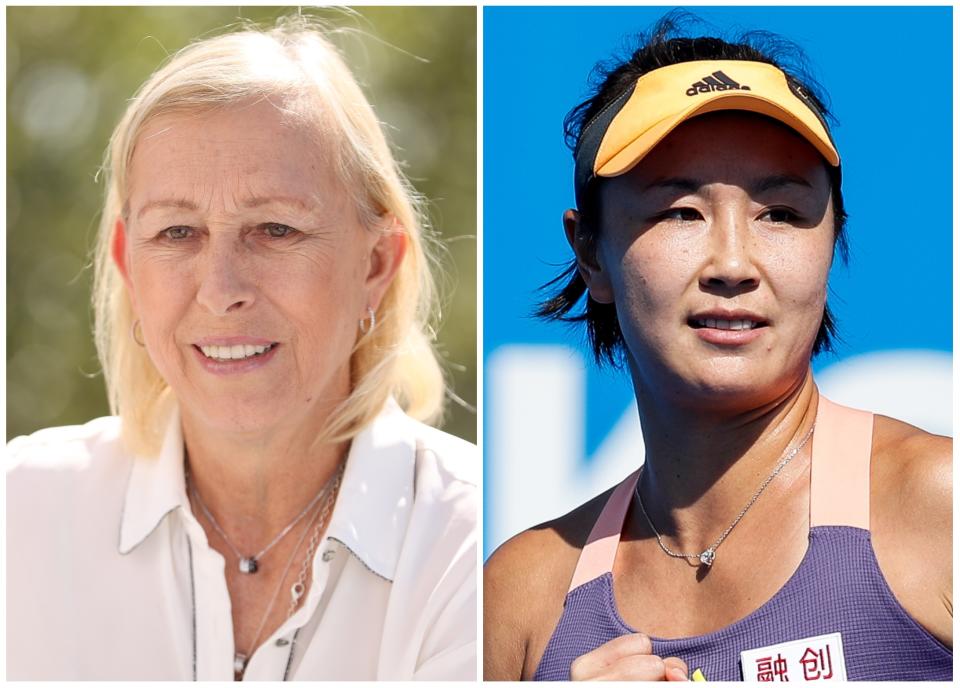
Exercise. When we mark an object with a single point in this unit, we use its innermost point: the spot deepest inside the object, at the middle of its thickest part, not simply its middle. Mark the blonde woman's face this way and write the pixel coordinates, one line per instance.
(248, 267)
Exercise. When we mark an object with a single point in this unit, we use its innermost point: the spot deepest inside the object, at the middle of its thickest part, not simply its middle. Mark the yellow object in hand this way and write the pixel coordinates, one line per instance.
(698, 676)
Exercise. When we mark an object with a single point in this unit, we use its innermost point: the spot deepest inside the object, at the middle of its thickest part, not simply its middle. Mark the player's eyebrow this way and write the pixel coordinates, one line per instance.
(777, 181)
(181, 203)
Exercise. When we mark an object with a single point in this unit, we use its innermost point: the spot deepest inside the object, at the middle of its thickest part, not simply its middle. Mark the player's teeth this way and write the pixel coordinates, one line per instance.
(235, 352)
(726, 324)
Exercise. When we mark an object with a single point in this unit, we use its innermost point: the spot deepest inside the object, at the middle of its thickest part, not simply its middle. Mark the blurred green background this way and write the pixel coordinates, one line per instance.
(70, 71)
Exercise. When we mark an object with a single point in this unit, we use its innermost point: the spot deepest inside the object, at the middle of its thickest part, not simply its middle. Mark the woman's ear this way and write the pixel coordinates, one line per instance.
(118, 251)
(591, 270)
(386, 257)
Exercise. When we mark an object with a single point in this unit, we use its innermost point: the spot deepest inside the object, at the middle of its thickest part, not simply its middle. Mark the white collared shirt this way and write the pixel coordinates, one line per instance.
(109, 574)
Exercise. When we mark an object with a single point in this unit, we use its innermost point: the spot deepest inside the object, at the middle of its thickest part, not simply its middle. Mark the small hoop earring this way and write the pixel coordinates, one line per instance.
(133, 333)
(364, 328)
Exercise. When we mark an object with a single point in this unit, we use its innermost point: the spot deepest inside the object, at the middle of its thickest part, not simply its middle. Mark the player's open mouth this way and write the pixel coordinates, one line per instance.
(725, 324)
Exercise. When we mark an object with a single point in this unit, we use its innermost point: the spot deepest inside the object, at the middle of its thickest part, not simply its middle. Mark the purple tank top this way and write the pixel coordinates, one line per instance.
(837, 588)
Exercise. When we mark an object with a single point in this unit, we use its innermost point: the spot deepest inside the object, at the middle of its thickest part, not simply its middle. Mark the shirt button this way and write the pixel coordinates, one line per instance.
(282, 642)
(329, 554)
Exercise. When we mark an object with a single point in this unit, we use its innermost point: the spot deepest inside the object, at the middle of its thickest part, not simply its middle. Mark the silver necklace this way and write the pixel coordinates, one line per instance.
(250, 564)
(296, 591)
(707, 556)
(300, 587)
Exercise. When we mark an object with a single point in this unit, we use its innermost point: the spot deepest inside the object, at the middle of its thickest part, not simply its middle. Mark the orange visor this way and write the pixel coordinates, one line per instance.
(614, 141)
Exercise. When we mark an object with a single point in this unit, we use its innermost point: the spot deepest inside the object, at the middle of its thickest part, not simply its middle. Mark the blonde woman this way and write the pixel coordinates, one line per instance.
(265, 503)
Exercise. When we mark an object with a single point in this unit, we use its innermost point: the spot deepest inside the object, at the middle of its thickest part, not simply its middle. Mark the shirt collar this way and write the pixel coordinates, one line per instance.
(156, 487)
(371, 513)
(376, 495)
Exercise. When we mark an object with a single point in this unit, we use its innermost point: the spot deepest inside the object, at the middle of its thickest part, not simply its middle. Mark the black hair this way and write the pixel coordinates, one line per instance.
(666, 45)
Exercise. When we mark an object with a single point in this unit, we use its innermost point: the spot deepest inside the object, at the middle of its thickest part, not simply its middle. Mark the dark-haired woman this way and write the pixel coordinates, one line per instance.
(770, 534)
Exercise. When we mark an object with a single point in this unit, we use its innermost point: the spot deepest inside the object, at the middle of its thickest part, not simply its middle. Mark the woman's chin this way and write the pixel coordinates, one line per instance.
(724, 388)
(740, 392)
(243, 418)
(239, 427)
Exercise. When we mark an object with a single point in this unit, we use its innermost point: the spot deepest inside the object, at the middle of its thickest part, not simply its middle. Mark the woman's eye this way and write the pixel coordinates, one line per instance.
(176, 233)
(275, 230)
(781, 215)
(682, 214)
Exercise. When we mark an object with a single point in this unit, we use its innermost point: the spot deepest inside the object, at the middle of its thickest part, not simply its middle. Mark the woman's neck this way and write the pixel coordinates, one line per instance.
(701, 468)
(256, 485)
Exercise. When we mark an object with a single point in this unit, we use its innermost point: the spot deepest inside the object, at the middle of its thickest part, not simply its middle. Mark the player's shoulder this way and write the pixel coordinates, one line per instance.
(66, 481)
(74, 449)
(439, 456)
(555, 545)
(913, 468)
(452, 457)
(911, 520)
(525, 582)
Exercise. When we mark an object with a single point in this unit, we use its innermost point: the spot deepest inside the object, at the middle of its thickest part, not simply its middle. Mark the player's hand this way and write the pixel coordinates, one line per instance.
(627, 658)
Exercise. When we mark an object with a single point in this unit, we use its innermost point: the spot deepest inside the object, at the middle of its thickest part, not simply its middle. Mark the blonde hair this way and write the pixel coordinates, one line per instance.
(298, 65)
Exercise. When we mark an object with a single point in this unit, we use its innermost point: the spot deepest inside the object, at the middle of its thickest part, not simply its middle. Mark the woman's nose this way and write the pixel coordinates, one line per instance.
(224, 283)
(731, 264)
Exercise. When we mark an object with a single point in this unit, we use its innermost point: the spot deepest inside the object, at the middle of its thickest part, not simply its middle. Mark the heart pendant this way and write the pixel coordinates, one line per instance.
(707, 557)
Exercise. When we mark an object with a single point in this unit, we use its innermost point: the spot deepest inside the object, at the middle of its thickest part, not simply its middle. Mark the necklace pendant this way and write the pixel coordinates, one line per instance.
(239, 663)
(707, 557)
(296, 592)
(248, 565)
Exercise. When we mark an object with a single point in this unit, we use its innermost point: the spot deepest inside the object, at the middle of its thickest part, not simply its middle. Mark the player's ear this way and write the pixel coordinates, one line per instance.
(591, 269)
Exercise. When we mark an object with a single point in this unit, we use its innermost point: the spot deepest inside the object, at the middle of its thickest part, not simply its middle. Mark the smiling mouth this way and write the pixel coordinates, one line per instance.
(237, 352)
(714, 323)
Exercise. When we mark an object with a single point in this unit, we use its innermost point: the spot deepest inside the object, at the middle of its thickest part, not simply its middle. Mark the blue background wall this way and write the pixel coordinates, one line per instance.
(557, 429)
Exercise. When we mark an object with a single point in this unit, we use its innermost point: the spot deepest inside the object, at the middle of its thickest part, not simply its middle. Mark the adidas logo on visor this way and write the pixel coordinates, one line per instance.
(718, 81)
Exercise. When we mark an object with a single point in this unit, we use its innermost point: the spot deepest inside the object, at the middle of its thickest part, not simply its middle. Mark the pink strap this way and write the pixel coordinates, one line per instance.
(840, 466)
(598, 554)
